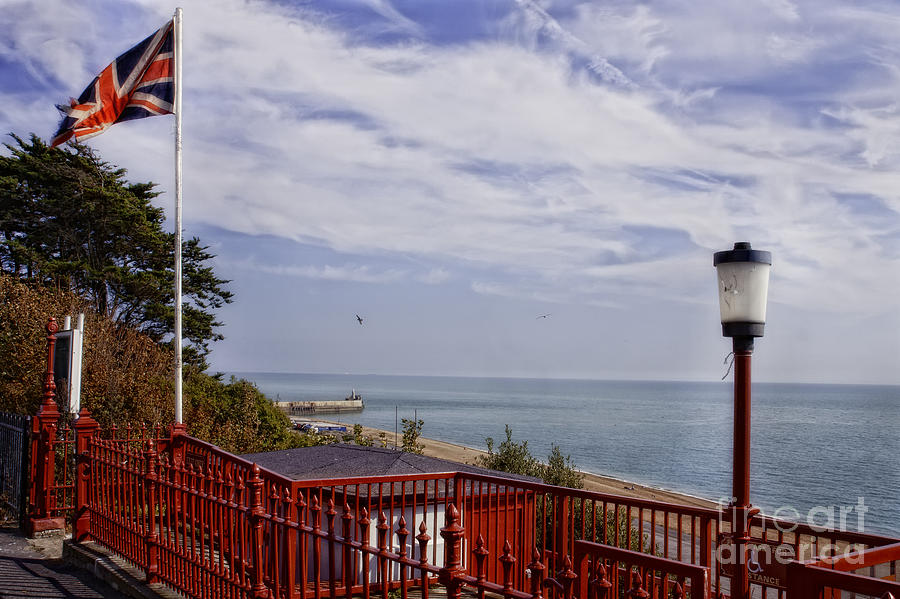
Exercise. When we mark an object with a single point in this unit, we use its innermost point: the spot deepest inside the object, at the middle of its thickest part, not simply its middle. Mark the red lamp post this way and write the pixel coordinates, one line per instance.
(743, 275)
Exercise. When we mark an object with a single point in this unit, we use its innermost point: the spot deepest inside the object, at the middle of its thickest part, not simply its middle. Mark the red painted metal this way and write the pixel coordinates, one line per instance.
(42, 495)
(255, 486)
(740, 584)
(451, 574)
(85, 429)
(536, 569)
(149, 499)
(632, 573)
(211, 524)
(811, 580)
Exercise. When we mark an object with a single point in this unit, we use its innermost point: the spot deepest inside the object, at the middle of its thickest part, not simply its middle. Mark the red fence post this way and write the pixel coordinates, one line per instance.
(423, 539)
(452, 570)
(85, 429)
(177, 434)
(254, 487)
(562, 523)
(507, 561)
(706, 549)
(537, 574)
(151, 535)
(43, 434)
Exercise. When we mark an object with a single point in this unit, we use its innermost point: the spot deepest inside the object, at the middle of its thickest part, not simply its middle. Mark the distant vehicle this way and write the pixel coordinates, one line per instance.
(320, 427)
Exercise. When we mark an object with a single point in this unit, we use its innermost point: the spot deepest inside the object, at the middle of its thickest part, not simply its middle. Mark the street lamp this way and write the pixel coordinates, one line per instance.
(743, 275)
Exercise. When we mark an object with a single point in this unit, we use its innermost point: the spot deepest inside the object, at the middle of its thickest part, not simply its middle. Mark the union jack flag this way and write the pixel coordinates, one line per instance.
(138, 84)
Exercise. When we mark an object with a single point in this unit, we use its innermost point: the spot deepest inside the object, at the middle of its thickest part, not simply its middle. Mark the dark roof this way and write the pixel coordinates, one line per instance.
(340, 460)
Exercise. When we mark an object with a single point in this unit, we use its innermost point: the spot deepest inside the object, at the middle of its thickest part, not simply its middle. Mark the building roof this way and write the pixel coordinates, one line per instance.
(341, 460)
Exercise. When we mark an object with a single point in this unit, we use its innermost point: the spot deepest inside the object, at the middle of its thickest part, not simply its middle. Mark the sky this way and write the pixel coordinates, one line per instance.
(450, 171)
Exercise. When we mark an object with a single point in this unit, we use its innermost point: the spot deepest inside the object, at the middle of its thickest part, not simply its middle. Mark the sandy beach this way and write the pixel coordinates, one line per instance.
(592, 482)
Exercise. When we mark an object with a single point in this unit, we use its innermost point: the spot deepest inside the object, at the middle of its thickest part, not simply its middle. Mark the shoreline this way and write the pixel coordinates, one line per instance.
(592, 482)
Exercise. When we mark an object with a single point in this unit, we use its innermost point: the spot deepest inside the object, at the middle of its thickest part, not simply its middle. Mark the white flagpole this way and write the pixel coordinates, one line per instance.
(177, 31)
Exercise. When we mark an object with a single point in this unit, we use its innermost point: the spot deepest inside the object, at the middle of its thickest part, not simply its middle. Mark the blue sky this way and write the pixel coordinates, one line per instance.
(451, 170)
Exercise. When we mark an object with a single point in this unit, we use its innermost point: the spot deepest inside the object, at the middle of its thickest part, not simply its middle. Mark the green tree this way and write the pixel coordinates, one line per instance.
(412, 431)
(612, 525)
(239, 417)
(561, 471)
(357, 437)
(69, 220)
(511, 457)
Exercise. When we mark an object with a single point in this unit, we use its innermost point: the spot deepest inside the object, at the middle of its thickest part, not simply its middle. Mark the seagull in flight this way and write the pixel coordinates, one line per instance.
(359, 318)
(543, 315)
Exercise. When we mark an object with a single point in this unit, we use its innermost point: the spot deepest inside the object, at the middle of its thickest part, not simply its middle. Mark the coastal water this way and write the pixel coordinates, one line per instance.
(812, 445)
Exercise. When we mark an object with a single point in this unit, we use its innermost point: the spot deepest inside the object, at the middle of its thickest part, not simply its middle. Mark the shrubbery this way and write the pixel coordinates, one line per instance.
(412, 430)
(515, 458)
(128, 378)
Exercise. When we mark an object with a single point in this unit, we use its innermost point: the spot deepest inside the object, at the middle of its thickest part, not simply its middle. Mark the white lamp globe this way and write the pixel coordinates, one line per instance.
(743, 276)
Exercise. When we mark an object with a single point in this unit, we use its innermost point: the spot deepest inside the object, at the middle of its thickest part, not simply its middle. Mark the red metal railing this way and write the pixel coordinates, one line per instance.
(51, 496)
(563, 516)
(867, 573)
(211, 524)
(618, 572)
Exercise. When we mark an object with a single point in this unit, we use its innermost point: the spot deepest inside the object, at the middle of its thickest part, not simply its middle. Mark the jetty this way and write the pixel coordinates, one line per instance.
(351, 403)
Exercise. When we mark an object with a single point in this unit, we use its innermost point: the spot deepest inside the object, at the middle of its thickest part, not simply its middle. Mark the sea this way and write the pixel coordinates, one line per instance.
(816, 449)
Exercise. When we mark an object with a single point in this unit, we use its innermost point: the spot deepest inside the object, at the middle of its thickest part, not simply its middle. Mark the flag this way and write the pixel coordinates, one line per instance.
(138, 84)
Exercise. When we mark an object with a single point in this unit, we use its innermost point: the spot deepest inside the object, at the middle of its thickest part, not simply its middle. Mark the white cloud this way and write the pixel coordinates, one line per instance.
(435, 276)
(508, 154)
(358, 274)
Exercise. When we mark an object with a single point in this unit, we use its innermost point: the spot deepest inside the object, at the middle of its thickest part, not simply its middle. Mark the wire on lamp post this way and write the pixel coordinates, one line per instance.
(743, 280)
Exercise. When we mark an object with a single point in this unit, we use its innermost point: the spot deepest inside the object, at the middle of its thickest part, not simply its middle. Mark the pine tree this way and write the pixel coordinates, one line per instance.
(70, 221)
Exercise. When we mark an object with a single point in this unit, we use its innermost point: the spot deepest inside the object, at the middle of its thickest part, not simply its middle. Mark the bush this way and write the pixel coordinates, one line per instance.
(127, 378)
(561, 471)
(511, 457)
(357, 437)
(412, 430)
(238, 417)
(516, 458)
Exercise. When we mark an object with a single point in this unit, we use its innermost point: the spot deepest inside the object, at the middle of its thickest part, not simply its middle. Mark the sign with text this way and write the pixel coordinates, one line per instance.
(67, 369)
(766, 561)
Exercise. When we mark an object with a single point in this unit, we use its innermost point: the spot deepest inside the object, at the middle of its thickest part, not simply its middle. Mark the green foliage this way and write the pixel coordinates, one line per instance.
(357, 437)
(511, 457)
(561, 471)
(238, 417)
(127, 377)
(412, 431)
(516, 458)
(70, 221)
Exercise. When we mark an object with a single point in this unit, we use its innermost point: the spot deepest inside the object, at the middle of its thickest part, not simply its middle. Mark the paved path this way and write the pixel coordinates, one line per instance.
(33, 570)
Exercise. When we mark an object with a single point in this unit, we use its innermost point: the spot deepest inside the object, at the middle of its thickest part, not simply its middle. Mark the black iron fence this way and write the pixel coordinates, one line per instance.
(14, 449)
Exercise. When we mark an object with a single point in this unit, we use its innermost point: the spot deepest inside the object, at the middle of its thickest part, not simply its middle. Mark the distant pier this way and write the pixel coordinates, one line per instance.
(352, 403)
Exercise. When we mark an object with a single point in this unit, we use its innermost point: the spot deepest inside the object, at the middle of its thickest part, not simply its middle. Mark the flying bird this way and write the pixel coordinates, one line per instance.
(543, 316)
(359, 318)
